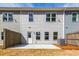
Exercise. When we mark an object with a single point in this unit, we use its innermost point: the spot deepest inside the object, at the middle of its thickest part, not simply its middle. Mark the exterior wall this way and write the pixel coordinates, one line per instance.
(70, 27)
(40, 25)
(21, 25)
(14, 26)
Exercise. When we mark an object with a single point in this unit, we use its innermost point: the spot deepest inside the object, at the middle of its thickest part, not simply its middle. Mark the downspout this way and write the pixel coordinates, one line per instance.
(64, 23)
(20, 27)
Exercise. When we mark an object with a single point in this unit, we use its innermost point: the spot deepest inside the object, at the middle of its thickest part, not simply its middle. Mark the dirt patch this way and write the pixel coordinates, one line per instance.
(38, 52)
(1, 46)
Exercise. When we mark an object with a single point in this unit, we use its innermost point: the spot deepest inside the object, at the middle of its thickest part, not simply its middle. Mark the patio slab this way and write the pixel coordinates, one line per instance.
(35, 46)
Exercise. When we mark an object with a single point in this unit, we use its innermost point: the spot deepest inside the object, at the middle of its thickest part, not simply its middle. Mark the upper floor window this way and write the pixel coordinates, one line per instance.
(50, 17)
(30, 17)
(7, 17)
(74, 17)
(53, 17)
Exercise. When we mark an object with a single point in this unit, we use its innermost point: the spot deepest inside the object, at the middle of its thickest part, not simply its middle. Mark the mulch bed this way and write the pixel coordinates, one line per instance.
(68, 47)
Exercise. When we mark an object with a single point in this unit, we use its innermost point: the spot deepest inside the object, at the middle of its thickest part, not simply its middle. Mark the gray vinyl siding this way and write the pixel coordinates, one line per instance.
(40, 25)
(14, 26)
(21, 24)
(71, 27)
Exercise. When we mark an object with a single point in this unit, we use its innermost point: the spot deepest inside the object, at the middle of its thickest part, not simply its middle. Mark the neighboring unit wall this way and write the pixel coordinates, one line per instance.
(72, 38)
(40, 25)
(71, 27)
(11, 38)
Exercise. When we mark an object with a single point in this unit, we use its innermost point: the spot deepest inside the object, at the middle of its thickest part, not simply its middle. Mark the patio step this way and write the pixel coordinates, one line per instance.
(35, 46)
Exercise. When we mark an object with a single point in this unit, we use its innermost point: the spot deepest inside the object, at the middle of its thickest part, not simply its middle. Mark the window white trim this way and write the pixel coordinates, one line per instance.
(77, 17)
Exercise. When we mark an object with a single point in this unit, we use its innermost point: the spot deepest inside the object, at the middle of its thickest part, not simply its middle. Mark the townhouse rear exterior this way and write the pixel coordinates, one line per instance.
(39, 25)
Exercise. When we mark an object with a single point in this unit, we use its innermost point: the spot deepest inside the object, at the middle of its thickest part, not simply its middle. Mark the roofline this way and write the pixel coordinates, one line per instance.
(40, 9)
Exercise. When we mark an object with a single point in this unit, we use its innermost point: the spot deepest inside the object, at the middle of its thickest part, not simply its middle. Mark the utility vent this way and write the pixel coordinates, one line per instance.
(62, 41)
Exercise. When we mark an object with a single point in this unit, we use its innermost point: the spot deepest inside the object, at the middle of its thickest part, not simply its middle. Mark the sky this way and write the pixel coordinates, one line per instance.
(39, 5)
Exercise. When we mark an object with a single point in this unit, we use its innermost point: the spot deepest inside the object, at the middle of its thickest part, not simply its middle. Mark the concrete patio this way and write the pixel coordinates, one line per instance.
(35, 46)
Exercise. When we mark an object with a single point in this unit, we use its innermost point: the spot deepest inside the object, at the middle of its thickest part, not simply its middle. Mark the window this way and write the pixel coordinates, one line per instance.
(29, 34)
(7, 17)
(10, 17)
(47, 17)
(2, 35)
(30, 17)
(74, 17)
(53, 17)
(55, 35)
(37, 35)
(46, 35)
(50, 17)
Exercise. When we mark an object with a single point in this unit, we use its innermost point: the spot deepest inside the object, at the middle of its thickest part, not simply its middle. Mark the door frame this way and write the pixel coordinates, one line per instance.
(29, 37)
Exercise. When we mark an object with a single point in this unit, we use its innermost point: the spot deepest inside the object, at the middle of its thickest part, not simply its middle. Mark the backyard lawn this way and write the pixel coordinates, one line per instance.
(38, 52)
(68, 50)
